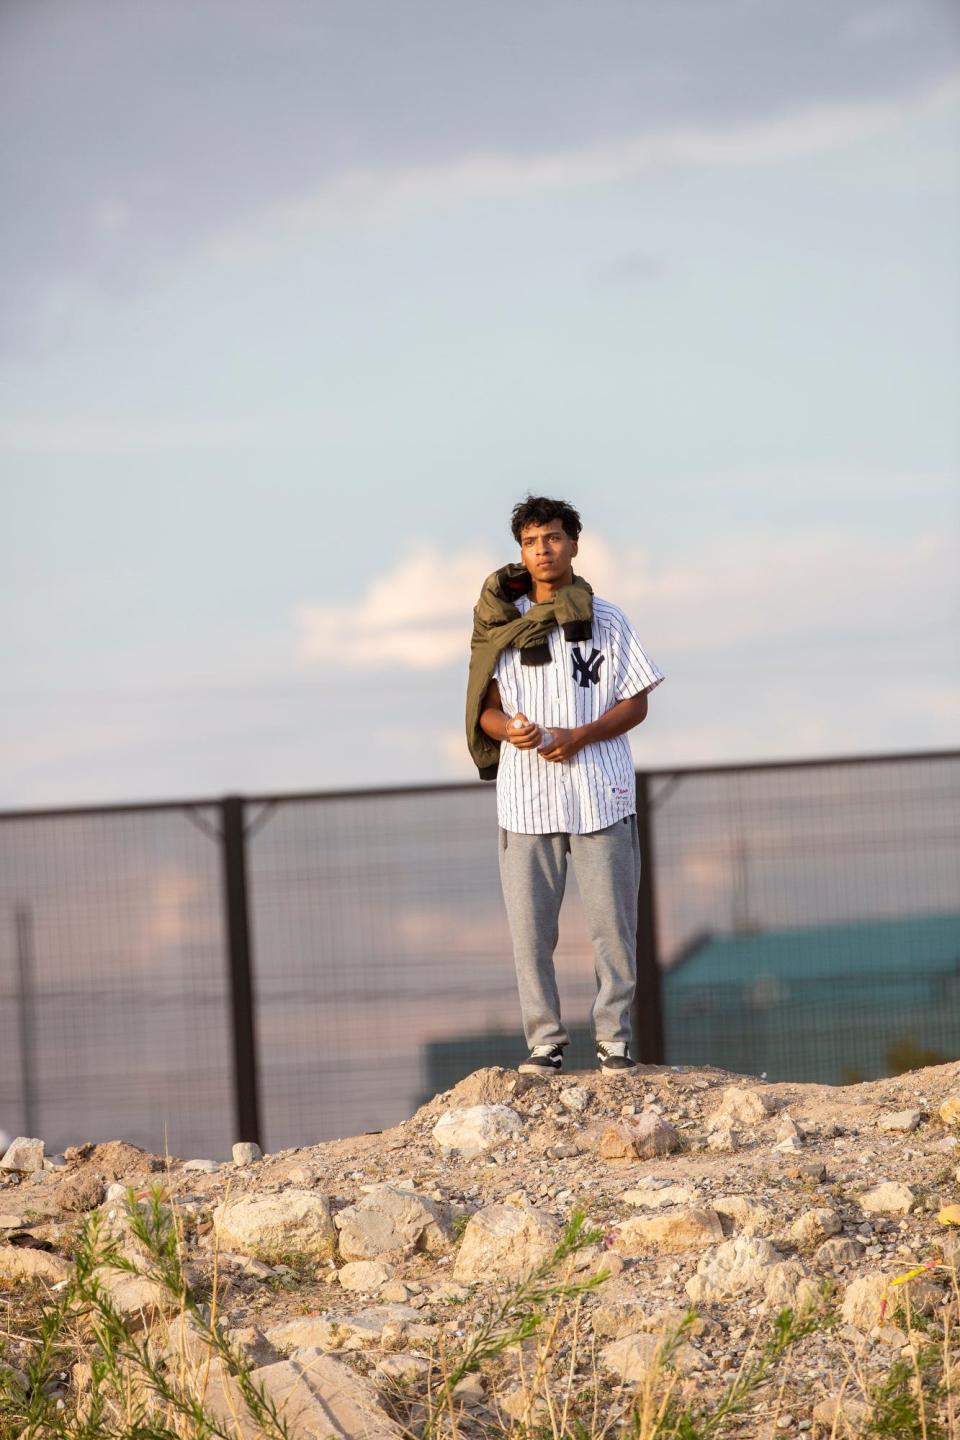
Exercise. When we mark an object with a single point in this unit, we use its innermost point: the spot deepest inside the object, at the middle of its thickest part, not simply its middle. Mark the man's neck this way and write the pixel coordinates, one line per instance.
(546, 589)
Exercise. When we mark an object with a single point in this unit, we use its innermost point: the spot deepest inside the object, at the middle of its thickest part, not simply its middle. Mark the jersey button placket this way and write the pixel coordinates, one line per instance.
(563, 788)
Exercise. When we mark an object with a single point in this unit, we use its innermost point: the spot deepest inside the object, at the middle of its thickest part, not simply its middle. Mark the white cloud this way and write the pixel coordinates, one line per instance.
(820, 642)
(824, 588)
(489, 173)
(760, 598)
(416, 617)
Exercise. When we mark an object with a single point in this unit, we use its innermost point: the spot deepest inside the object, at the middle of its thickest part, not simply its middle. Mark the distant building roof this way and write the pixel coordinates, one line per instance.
(883, 949)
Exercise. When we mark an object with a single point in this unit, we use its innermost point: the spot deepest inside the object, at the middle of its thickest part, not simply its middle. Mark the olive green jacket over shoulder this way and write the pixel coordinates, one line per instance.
(498, 624)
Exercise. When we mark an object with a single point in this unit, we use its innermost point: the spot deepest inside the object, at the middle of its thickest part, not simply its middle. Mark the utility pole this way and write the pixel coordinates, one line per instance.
(239, 950)
(23, 923)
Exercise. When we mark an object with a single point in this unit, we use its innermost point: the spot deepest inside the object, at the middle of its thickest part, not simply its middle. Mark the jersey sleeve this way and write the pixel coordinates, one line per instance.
(633, 668)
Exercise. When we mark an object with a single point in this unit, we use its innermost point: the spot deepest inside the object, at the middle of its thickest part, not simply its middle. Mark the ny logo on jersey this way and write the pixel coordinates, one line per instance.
(587, 671)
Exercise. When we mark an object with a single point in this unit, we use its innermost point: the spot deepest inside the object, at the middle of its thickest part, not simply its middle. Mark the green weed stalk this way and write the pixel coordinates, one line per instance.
(133, 1394)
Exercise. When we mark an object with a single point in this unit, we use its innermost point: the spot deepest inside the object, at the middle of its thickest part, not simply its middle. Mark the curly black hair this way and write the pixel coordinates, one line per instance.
(539, 510)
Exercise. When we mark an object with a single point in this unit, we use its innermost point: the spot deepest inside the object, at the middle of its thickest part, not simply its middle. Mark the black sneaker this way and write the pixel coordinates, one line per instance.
(614, 1058)
(542, 1060)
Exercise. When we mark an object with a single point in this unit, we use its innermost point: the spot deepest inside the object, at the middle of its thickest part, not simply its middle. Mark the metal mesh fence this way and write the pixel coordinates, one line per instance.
(809, 916)
(113, 999)
(808, 919)
(379, 930)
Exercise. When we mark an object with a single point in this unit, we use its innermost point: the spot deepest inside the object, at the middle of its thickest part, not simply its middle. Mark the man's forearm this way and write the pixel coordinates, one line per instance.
(493, 723)
(617, 721)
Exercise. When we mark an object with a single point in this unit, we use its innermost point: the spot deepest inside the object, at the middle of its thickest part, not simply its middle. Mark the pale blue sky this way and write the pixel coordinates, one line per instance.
(300, 299)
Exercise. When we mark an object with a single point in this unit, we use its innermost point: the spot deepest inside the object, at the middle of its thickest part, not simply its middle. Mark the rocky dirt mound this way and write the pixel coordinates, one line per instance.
(355, 1276)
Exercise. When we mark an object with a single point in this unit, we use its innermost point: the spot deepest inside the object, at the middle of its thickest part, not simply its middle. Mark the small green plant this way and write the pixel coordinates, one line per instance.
(519, 1315)
(133, 1394)
(788, 1330)
(902, 1408)
(914, 1322)
(137, 1392)
(304, 1267)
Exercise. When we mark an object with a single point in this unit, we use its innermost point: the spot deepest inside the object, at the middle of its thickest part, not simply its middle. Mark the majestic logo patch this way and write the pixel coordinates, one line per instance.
(587, 671)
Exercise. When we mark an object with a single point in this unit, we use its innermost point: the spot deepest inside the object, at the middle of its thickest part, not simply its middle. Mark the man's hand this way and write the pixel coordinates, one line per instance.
(564, 745)
(526, 736)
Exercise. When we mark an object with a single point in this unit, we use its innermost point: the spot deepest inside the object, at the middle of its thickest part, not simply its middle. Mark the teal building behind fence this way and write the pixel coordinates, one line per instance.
(833, 1004)
(828, 1003)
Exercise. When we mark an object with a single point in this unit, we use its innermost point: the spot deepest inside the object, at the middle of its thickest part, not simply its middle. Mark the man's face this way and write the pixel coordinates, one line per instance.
(547, 551)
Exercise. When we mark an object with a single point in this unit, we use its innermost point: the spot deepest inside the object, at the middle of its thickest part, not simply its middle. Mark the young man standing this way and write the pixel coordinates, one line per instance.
(557, 678)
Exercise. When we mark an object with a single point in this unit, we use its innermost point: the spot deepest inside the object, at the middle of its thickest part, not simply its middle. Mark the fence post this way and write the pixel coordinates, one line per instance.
(648, 1002)
(245, 1084)
(23, 921)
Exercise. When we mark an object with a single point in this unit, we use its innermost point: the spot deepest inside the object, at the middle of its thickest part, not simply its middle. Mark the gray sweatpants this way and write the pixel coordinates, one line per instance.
(533, 872)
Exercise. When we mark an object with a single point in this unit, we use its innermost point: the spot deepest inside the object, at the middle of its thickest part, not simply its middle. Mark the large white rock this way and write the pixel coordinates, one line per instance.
(900, 1122)
(841, 1417)
(325, 1400)
(652, 1135)
(274, 1227)
(364, 1275)
(520, 1404)
(24, 1155)
(749, 1216)
(137, 1299)
(692, 1228)
(787, 1128)
(639, 1137)
(621, 1313)
(252, 1343)
(634, 1357)
(891, 1197)
(650, 1198)
(724, 1137)
(740, 1264)
(743, 1107)
(392, 1221)
(788, 1286)
(403, 1367)
(183, 1342)
(838, 1252)
(303, 1332)
(791, 1145)
(477, 1129)
(813, 1226)
(863, 1299)
(575, 1098)
(246, 1152)
(949, 1111)
(341, 1332)
(505, 1242)
(24, 1263)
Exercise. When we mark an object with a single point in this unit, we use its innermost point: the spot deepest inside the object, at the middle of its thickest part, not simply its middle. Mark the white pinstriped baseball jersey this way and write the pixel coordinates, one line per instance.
(581, 683)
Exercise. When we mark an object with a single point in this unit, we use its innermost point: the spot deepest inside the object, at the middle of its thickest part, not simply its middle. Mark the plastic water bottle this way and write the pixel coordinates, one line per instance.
(517, 723)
